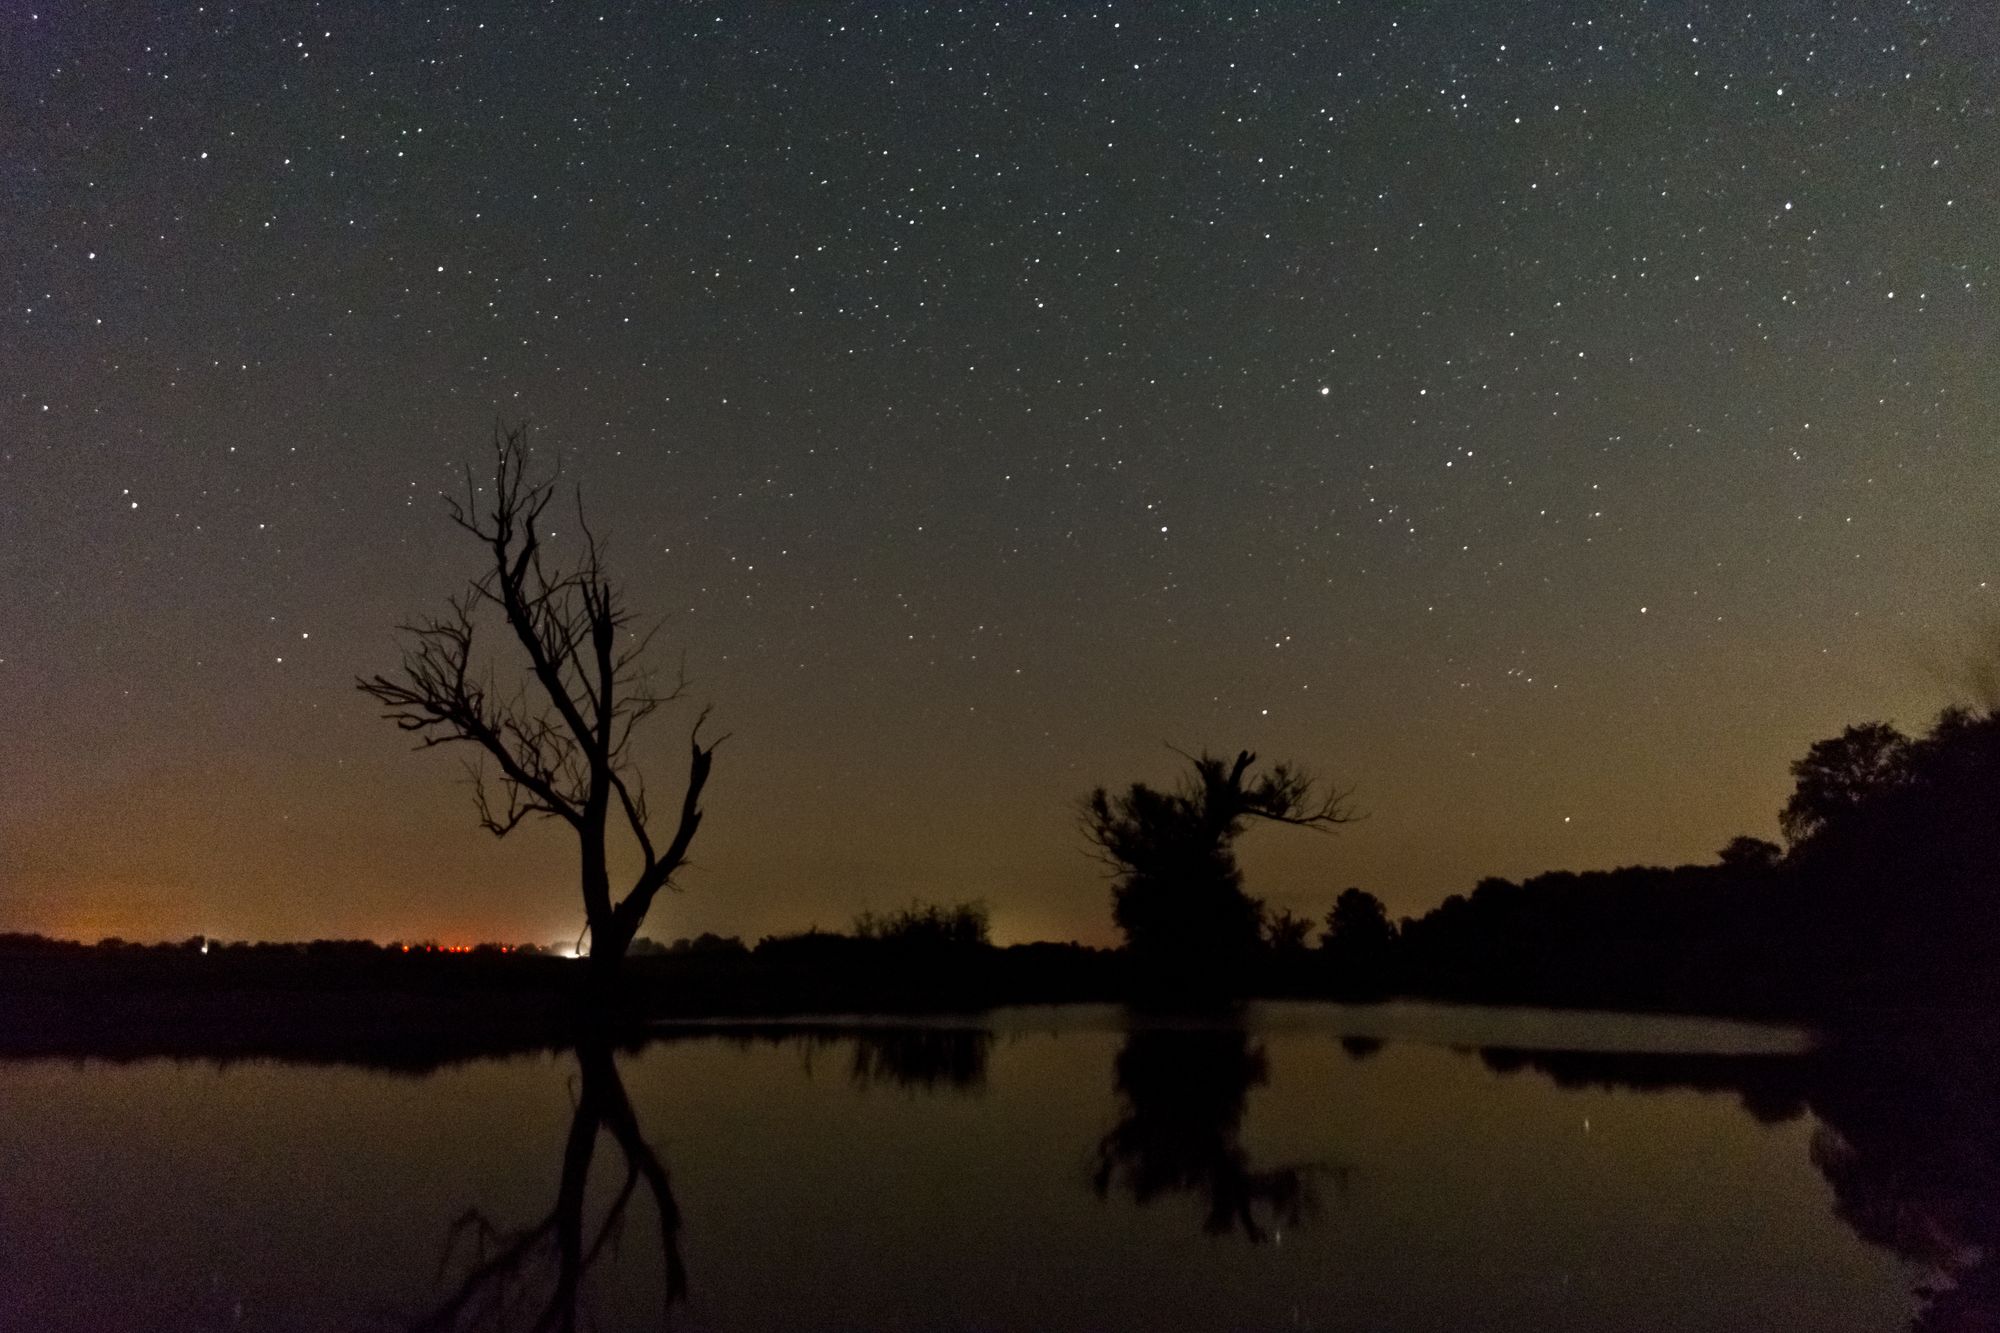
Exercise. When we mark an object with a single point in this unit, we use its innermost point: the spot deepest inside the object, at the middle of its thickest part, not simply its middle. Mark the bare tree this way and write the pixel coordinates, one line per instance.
(559, 728)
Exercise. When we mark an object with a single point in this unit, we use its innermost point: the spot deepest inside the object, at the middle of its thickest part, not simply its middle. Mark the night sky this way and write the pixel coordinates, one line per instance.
(1546, 418)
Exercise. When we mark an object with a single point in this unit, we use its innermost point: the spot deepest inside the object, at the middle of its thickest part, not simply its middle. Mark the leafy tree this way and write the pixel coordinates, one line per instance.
(1286, 932)
(1747, 853)
(708, 942)
(927, 925)
(559, 722)
(1177, 894)
(1358, 923)
(1358, 943)
(1837, 777)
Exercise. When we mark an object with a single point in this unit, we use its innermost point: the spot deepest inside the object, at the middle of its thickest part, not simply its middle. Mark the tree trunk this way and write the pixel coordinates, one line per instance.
(610, 939)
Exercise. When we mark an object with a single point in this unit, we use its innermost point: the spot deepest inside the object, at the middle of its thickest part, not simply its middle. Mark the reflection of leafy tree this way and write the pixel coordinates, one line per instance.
(504, 1284)
(1908, 1136)
(1184, 1094)
(916, 1058)
(922, 1058)
(1910, 1141)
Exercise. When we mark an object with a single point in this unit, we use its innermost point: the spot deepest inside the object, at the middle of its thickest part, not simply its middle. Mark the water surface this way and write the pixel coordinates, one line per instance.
(1299, 1167)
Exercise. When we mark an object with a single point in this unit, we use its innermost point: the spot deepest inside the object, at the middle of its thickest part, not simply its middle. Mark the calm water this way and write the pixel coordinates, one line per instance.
(1402, 1167)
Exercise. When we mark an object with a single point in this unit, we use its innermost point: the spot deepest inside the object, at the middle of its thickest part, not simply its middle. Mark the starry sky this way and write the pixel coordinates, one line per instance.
(1546, 418)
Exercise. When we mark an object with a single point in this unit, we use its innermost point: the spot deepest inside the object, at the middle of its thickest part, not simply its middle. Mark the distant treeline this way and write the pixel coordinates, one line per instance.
(1888, 893)
(414, 1007)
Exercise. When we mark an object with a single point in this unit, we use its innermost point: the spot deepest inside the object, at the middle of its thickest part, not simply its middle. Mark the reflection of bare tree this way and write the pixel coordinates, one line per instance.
(509, 1272)
(1185, 1094)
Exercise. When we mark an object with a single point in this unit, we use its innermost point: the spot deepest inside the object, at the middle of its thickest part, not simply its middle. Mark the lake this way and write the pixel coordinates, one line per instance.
(1294, 1166)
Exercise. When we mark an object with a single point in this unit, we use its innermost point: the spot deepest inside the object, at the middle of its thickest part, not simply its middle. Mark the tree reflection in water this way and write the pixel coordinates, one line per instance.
(532, 1278)
(1184, 1094)
(923, 1059)
(1908, 1135)
(1910, 1140)
(914, 1057)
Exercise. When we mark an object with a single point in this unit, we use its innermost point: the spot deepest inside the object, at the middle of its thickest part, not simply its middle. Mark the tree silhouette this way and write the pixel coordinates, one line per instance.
(1903, 855)
(1286, 933)
(1177, 894)
(1837, 777)
(1358, 943)
(1358, 921)
(928, 926)
(1749, 854)
(560, 725)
